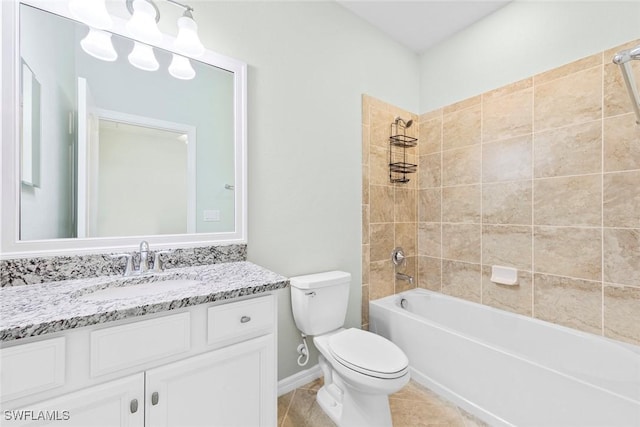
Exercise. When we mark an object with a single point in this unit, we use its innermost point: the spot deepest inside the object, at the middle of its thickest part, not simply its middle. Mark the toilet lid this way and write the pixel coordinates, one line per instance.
(368, 353)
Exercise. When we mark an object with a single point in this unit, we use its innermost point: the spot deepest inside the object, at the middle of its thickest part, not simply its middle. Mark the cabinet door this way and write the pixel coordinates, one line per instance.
(105, 405)
(233, 386)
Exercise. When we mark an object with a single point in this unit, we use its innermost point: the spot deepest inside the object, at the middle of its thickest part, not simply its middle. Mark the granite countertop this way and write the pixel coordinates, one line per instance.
(33, 310)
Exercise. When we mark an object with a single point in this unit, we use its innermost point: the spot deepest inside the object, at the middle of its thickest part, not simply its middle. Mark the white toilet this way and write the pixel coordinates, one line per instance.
(361, 369)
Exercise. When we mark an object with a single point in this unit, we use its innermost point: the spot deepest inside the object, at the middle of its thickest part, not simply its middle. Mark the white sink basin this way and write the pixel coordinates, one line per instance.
(142, 289)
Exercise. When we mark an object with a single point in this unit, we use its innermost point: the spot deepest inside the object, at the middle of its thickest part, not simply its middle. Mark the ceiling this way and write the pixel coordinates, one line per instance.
(420, 24)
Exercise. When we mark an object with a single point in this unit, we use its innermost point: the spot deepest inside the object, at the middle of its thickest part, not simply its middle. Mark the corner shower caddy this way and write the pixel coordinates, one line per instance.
(399, 141)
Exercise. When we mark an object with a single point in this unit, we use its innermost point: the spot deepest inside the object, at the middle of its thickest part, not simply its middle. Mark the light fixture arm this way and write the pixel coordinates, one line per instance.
(188, 9)
(130, 8)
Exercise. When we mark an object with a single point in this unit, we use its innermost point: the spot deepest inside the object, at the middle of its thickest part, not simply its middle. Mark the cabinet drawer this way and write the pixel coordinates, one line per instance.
(121, 347)
(240, 319)
(32, 368)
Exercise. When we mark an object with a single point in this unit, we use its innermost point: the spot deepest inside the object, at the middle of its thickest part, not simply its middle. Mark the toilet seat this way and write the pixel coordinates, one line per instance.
(368, 354)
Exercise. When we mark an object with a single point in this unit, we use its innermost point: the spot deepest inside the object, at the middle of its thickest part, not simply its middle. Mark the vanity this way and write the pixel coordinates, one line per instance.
(81, 343)
(200, 350)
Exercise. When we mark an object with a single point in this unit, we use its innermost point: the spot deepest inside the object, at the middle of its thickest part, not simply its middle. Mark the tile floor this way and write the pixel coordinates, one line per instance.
(413, 406)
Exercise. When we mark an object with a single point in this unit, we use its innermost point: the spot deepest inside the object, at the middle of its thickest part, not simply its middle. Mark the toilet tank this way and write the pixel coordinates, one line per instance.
(319, 301)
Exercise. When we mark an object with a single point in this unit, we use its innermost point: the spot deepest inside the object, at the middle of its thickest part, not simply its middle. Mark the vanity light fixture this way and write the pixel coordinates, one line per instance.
(181, 68)
(143, 28)
(98, 44)
(143, 24)
(142, 57)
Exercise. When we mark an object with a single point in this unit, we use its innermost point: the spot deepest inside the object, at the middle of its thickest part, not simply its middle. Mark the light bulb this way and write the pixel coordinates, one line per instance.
(187, 42)
(181, 68)
(91, 12)
(98, 44)
(142, 57)
(142, 25)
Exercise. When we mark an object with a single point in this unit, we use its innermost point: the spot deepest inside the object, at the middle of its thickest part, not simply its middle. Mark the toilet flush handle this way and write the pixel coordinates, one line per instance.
(310, 294)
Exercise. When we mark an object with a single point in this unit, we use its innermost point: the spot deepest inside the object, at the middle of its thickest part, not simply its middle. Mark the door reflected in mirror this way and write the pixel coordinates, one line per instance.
(124, 152)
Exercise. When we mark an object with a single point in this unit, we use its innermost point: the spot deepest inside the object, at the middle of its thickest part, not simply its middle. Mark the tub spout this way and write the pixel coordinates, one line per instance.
(402, 276)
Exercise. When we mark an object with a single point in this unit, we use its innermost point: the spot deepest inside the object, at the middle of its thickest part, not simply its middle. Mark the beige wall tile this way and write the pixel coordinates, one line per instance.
(569, 302)
(429, 171)
(406, 205)
(622, 313)
(461, 204)
(462, 105)
(576, 98)
(430, 137)
(429, 273)
(507, 245)
(379, 135)
(572, 150)
(365, 145)
(430, 115)
(381, 280)
(569, 69)
(622, 256)
(380, 117)
(382, 241)
(507, 160)
(508, 89)
(621, 206)
(567, 251)
(429, 239)
(507, 202)
(365, 305)
(461, 280)
(610, 53)
(365, 224)
(461, 128)
(573, 200)
(461, 166)
(365, 184)
(621, 143)
(516, 299)
(429, 205)
(381, 203)
(406, 237)
(366, 260)
(508, 116)
(616, 98)
(379, 166)
(461, 242)
(366, 106)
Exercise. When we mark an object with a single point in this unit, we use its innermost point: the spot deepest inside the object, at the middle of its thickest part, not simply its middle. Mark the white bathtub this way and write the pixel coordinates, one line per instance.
(509, 369)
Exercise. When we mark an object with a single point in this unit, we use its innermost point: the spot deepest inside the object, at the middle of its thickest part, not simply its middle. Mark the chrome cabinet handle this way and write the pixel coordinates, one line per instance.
(154, 398)
(133, 406)
(245, 319)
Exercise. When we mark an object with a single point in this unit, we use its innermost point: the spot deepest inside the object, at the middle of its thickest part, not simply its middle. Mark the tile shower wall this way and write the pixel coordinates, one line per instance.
(542, 175)
(389, 211)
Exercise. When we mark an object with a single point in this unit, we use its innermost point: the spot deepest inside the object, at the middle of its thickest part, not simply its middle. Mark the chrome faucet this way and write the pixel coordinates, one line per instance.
(144, 260)
(144, 257)
(402, 276)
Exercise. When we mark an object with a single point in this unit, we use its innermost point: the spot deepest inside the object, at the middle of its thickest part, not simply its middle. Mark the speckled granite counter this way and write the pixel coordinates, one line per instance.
(33, 310)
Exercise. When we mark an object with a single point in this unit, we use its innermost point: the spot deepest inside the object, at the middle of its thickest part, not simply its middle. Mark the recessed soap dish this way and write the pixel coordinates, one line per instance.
(504, 275)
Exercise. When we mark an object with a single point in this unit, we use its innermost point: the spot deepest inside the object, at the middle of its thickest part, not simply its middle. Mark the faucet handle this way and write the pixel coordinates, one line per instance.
(157, 262)
(129, 267)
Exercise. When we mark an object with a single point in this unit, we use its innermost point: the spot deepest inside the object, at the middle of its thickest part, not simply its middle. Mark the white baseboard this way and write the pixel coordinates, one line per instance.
(299, 379)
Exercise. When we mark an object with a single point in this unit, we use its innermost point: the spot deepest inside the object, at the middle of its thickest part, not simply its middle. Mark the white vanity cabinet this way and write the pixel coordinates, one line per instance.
(215, 365)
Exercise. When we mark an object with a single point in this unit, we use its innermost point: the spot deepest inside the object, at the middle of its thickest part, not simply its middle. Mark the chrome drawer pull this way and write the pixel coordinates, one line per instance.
(133, 406)
(245, 319)
(154, 398)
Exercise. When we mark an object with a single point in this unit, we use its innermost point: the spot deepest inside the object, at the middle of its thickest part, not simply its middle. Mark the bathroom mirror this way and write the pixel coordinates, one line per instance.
(124, 154)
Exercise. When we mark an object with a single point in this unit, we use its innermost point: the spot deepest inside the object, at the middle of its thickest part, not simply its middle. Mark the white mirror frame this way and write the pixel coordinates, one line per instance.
(10, 245)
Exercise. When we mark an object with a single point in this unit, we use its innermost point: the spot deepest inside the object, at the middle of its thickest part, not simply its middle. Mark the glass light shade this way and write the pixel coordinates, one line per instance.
(142, 25)
(98, 44)
(181, 68)
(91, 12)
(142, 57)
(188, 42)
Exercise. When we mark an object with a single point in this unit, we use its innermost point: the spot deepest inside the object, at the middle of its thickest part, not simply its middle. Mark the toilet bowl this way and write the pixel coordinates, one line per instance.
(360, 368)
